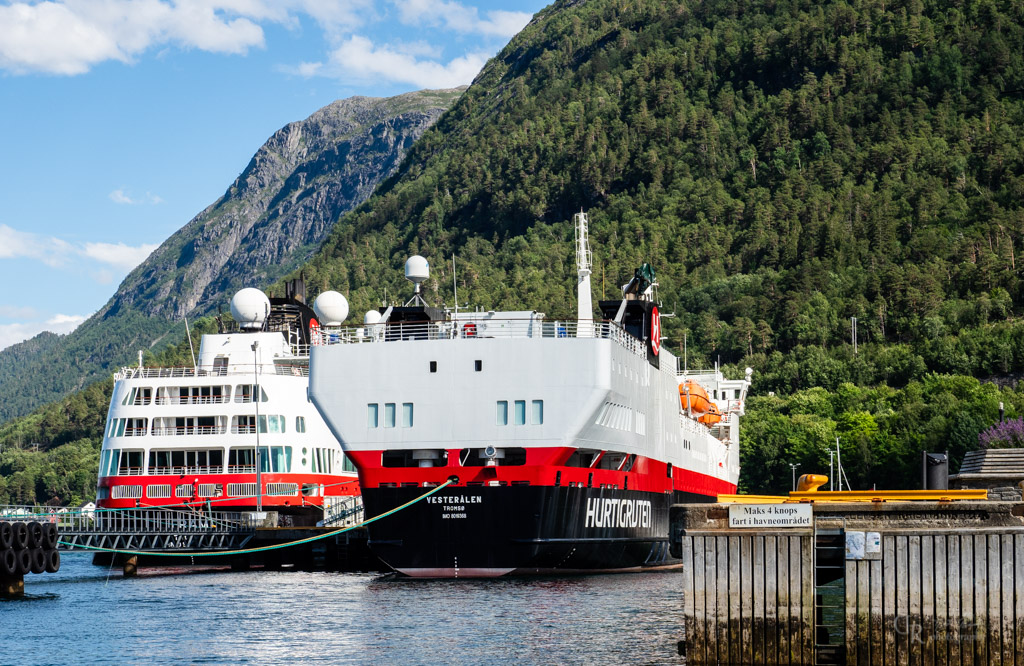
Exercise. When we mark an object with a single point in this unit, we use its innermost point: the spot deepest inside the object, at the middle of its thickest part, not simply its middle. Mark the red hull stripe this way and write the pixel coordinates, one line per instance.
(544, 467)
(335, 486)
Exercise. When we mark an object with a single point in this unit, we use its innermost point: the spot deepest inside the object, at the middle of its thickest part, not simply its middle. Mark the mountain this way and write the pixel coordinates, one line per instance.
(270, 220)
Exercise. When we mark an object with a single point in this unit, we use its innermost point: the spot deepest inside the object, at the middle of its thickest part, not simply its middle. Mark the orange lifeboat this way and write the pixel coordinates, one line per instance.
(693, 397)
(712, 416)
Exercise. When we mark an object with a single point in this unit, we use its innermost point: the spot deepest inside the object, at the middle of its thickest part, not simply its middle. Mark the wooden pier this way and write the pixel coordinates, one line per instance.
(903, 582)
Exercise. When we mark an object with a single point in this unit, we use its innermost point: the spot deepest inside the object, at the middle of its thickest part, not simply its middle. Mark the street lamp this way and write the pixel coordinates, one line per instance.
(794, 466)
(256, 401)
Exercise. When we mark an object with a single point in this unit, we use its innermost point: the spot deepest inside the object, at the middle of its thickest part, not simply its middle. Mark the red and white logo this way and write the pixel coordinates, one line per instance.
(655, 330)
(315, 338)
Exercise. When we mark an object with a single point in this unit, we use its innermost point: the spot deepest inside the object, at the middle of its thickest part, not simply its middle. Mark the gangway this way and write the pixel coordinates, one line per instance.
(152, 529)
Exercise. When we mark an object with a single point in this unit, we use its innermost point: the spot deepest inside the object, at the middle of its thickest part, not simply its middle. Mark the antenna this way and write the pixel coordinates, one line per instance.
(584, 261)
(455, 286)
(190, 347)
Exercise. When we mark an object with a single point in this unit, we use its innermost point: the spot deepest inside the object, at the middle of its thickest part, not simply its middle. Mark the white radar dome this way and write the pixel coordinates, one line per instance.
(250, 308)
(331, 307)
(371, 317)
(417, 269)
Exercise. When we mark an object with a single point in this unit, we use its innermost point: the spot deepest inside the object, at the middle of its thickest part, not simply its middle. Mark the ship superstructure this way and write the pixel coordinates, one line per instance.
(566, 441)
(234, 432)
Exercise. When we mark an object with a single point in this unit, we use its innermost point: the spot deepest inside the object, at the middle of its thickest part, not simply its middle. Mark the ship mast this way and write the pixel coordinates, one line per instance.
(584, 260)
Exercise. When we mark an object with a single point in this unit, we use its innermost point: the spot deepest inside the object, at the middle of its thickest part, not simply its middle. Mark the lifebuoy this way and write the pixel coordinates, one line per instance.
(469, 330)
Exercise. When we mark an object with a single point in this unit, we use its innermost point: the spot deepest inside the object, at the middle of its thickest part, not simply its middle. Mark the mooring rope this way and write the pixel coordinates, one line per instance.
(260, 549)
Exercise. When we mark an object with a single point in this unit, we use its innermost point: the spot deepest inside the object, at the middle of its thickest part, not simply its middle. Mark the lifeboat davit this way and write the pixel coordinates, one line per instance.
(712, 416)
(693, 397)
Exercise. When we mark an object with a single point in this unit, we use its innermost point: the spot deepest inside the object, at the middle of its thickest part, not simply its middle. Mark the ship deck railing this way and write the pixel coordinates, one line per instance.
(149, 520)
(469, 328)
(282, 369)
(189, 430)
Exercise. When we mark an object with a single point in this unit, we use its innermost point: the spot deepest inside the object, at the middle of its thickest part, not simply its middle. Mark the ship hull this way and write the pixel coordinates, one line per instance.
(487, 531)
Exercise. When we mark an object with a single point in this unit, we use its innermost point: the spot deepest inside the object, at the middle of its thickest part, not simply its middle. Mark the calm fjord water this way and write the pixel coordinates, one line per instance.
(88, 614)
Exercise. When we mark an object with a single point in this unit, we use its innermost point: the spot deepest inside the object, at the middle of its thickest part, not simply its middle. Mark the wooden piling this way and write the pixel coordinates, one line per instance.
(12, 587)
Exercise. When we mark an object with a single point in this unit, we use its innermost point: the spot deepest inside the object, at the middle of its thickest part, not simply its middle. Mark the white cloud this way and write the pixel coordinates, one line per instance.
(55, 252)
(11, 334)
(16, 244)
(460, 18)
(358, 60)
(71, 36)
(118, 196)
(118, 255)
(62, 323)
(121, 196)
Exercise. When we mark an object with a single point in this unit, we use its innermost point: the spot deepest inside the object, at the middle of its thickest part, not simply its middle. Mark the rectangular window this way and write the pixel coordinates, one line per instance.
(406, 414)
(537, 417)
(272, 423)
(300, 424)
(520, 412)
(389, 415)
(501, 417)
(371, 415)
(479, 365)
(433, 366)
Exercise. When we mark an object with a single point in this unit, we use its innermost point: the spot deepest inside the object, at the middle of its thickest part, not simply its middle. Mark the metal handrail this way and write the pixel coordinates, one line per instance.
(142, 521)
(475, 328)
(190, 430)
(300, 369)
(179, 470)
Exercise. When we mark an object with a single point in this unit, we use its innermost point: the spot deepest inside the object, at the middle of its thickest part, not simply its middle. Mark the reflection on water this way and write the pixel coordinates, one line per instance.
(86, 614)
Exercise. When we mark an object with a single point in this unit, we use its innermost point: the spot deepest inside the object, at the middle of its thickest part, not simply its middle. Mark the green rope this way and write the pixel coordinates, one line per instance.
(262, 548)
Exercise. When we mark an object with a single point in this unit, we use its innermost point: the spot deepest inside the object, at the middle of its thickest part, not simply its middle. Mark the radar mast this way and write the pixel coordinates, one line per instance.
(584, 260)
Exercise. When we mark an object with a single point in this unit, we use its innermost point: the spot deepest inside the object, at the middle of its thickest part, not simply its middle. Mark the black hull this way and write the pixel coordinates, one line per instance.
(484, 531)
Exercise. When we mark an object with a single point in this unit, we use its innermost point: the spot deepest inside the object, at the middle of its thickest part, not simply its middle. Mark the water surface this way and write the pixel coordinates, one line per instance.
(89, 614)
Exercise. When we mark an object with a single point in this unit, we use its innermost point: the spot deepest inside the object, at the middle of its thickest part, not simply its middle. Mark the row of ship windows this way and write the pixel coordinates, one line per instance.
(205, 490)
(519, 412)
(373, 419)
(131, 462)
(203, 425)
(192, 395)
(390, 416)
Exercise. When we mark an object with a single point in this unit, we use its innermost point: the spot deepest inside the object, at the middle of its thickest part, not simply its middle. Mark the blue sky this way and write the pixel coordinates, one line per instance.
(122, 119)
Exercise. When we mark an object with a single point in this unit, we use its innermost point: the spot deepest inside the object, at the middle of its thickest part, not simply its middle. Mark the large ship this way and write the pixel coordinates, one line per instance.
(236, 431)
(564, 442)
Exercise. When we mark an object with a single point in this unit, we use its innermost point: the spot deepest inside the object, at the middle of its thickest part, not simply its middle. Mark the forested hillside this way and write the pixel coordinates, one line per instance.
(784, 165)
(53, 454)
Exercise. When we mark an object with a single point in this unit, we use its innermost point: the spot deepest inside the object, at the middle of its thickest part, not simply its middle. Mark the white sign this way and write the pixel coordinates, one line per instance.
(769, 515)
